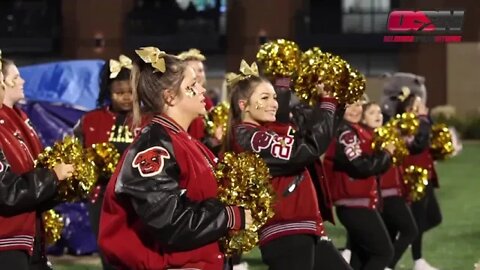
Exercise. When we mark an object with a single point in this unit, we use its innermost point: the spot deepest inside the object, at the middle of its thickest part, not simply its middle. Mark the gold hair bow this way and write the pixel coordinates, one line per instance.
(194, 54)
(116, 66)
(405, 93)
(246, 71)
(153, 56)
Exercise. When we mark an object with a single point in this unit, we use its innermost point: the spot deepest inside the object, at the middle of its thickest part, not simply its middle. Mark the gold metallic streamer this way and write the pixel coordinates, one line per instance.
(345, 83)
(416, 180)
(53, 225)
(244, 181)
(407, 123)
(387, 134)
(70, 151)
(441, 143)
(279, 58)
(218, 117)
(105, 156)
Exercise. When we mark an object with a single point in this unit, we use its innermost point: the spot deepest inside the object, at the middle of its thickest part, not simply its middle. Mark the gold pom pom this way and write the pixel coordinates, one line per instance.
(314, 68)
(279, 58)
(70, 151)
(356, 87)
(105, 156)
(345, 83)
(244, 181)
(389, 134)
(408, 123)
(416, 179)
(441, 142)
(53, 225)
(218, 117)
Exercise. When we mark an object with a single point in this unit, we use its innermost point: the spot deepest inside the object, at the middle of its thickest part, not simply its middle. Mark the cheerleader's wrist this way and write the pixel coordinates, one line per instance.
(328, 103)
(236, 217)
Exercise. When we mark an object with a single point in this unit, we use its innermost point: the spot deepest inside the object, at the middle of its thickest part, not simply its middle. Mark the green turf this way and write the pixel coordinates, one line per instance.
(455, 244)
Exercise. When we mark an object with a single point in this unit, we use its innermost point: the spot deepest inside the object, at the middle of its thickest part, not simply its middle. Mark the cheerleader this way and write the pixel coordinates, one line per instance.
(17, 118)
(111, 122)
(161, 200)
(25, 191)
(395, 212)
(351, 167)
(426, 211)
(291, 239)
(195, 59)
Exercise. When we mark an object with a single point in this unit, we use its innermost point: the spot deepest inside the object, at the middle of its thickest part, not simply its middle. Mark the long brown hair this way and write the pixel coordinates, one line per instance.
(241, 90)
(148, 84)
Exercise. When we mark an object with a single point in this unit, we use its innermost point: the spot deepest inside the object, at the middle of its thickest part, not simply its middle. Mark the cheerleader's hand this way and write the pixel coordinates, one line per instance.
(422, 110)
(63, 171)
(390, 148)
(419, 107)
(323, 92)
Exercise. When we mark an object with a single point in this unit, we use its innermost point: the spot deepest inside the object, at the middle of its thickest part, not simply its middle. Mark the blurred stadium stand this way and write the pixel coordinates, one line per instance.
(30, 26)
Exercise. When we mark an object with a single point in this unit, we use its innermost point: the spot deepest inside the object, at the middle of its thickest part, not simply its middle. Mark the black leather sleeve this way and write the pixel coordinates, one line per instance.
(27, 192)
(288, 155)
(421, 140)
(350, 158)
(283, 99)
(175, 221)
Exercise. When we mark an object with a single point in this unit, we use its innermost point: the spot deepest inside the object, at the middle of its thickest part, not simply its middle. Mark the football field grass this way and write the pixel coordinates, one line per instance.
(454, 245)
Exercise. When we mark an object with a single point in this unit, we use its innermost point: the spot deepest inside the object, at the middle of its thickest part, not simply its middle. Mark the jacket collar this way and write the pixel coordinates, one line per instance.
(168, 123)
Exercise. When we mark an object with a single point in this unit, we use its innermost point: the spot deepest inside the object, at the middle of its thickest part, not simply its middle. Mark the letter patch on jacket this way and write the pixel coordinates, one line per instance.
(150, 162)
(261, 140)
(2, 167)
(352, 144)
(281, 146)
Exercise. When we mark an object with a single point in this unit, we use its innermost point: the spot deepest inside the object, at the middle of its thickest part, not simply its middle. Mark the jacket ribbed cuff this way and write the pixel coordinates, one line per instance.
(236, 218)
(284, 82)
(328, 103)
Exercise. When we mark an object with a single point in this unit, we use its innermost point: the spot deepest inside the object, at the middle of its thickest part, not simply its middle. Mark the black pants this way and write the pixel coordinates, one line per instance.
(94, 210)
(302, 252)
(427, 215)
(400, 224)
(369, 240)
(14, 259)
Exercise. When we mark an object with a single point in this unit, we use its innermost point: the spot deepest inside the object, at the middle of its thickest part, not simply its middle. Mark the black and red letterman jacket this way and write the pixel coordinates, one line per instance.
(352, 166)
(287, 151)
(160, 209)
(24, 191)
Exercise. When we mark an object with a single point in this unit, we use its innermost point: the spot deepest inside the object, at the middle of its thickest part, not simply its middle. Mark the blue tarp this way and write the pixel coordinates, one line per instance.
(69, 82)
